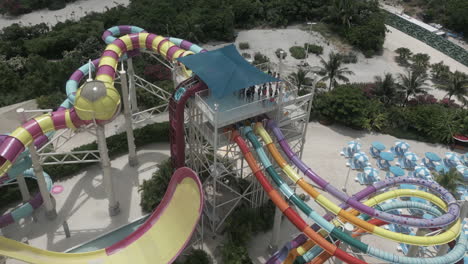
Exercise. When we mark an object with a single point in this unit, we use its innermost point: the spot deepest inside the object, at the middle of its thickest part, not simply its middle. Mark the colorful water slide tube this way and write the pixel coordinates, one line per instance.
(453, 206)
(283, 205)
(308, 252)
(159, 240)
(109, 36)
(23, 166)
(101, 109)
(301, 250)
(451, 233)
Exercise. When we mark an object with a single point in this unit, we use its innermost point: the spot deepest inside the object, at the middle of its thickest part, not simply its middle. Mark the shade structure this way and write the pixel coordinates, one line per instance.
(378, 146)
(388, 156)
(422, 172)
(225, 71)
(432, 156)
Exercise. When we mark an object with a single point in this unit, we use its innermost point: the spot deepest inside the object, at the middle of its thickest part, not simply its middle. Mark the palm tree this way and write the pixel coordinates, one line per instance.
(299, 78)
(449, 180)
(457, 85)
(413, 83)
(332, 70)
(420, 62)
(404, 54)
(386, 88)
(342, 11)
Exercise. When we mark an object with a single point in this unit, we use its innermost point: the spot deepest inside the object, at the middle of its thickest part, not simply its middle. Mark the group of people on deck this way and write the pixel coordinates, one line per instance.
(261, 92)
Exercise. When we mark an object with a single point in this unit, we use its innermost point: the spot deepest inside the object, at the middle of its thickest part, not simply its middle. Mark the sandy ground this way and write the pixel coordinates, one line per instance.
(322, 155)
(72, 11)
(267, 41)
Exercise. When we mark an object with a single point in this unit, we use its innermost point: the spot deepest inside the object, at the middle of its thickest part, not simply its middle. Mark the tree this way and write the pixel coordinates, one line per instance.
(342, 12)
(449, 180)
(456, 85)
(332, 70)
(440, 72)
(420, 62)
(385, 88)
(299, 78)
(404, 54)
(412, 83)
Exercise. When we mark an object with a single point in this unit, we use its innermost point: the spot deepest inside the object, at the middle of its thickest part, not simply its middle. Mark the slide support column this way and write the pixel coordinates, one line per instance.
(413, 249)
(348, 229)
(276, 231)
(131, 83)
(51, 214)
(23, 187)
(132, 156)
(114, 207)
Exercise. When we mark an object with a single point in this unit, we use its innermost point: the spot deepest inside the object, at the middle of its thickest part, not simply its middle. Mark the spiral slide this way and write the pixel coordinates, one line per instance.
(457, 252)
(446, 236)
(165, 234)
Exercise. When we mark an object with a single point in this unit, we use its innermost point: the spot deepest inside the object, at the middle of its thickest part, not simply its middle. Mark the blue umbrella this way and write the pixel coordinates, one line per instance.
(354, 146)
(452, 158)
(402, 146)
(410, 156)
(462, 169)
(421, 172)
(371, 172)
(360, 157)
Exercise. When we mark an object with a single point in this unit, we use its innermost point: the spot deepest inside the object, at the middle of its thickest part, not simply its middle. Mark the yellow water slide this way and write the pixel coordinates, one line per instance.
(159, 240)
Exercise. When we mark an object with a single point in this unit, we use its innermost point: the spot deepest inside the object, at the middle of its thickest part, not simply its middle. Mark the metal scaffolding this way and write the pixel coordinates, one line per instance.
(227, 179)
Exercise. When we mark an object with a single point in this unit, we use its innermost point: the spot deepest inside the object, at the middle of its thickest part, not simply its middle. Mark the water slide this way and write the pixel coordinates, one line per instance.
(159, 240)
(23, 166)
(173, 222)
(456, 253)
(451, 233)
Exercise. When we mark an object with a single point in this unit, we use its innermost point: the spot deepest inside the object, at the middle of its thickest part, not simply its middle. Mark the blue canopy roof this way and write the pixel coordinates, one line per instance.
(225, 71)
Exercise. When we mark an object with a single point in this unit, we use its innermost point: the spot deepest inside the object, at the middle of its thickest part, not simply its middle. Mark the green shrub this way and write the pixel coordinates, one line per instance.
(278, 53)
(246, 55)
(233, 253)
(198, 256)
(298, 52)
(259, 58)
(246, 222)
(312, 48)
(153, 189)
(244, 45)
(50, 101)
(344, 104)
(349, 58)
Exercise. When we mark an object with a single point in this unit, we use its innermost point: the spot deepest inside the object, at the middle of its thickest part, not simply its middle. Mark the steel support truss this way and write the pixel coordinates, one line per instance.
(227, 178)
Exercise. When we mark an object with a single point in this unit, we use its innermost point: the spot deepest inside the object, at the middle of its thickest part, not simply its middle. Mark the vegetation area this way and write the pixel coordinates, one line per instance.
(18, 7)
(196, 256)
(244, 223)
(298, 52)
(37, 60)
